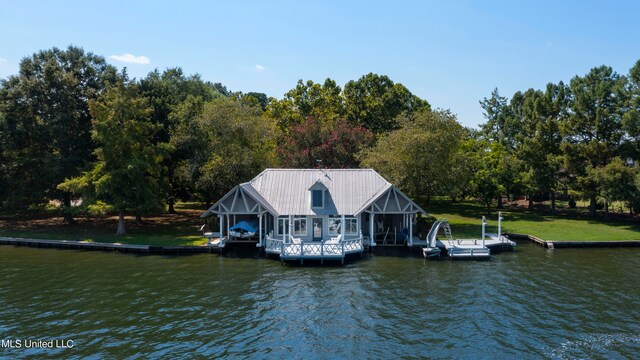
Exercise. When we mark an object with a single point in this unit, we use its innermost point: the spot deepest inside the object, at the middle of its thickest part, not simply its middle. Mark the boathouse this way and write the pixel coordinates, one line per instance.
(316, 213)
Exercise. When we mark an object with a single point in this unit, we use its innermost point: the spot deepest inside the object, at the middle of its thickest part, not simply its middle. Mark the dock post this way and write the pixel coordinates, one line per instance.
(500, 225)
(484, 223)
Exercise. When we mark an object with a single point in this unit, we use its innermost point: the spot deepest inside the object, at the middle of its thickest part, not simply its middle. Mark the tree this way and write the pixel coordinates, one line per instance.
(127, 170)
(615, 182)
(495, 171)
(631, 117)
(335, 147)
(420, 157)
(229, 143)
(496, 112)
(323, 102)
(375, 101)
(46, 130)
(261, 98)
(167, 92)
(594, 128)
(539, 148)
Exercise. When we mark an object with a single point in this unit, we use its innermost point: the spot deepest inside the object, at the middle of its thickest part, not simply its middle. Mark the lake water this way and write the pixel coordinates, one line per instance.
(567, 303)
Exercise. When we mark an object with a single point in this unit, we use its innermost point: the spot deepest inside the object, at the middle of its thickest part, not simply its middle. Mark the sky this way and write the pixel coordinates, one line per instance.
(451, 53)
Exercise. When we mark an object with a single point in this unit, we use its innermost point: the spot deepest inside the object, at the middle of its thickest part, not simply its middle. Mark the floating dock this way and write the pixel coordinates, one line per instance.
(465, 248)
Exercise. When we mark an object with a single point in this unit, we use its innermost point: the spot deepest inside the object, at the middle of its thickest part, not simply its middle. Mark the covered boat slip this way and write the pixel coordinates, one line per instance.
(314, 214)
(390, 219)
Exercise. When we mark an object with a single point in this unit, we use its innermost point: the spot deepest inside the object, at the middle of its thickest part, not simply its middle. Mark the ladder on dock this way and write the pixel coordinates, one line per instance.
(447, 231)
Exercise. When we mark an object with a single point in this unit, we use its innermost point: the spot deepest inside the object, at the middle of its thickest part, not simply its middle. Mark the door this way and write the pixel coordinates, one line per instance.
(317, 229)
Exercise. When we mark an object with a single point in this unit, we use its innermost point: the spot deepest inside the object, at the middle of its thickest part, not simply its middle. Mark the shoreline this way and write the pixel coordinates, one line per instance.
(552, 244)
(113, 247)
(186, 250)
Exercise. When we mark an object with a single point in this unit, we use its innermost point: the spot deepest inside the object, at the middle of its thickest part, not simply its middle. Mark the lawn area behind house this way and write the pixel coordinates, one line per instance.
(180, 229)
(568, 225)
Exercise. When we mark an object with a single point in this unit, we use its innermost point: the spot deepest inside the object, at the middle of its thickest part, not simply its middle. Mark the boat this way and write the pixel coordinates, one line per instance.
(244, 230)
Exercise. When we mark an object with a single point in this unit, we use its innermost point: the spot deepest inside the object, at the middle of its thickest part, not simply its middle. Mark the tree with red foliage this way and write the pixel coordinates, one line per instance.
(335, 146)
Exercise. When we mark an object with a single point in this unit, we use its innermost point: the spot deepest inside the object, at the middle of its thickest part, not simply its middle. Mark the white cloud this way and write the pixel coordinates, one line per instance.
(132, 59)
(259, 67)
(2, 60)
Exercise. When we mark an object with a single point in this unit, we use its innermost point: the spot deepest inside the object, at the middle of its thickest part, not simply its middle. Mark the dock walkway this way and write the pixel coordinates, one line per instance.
(574, 244)
(101, 246)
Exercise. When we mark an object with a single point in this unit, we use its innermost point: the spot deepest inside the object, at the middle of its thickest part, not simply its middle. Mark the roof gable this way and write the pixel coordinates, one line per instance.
(286, 192)
(347, 190)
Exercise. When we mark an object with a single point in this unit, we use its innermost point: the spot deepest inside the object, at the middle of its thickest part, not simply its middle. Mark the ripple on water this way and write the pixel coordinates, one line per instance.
(531, 303)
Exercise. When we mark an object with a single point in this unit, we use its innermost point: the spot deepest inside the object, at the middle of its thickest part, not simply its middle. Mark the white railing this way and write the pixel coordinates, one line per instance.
(274, 245)
(299, 248)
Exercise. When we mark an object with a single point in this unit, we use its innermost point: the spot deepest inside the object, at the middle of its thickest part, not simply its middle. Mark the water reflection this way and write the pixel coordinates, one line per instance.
(532, 303)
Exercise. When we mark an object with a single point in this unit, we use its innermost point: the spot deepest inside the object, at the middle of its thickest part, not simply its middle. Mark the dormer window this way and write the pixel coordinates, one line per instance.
(317, 198)
(317, 193)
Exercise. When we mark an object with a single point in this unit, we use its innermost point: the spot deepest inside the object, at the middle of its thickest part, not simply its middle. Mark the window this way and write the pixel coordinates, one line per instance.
(317, 198)
(334, 225)
(299, 226)
(350, 223)
(283, 225)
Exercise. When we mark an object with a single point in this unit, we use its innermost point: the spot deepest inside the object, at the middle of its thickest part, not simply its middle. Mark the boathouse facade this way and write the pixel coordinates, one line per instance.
(317, 206)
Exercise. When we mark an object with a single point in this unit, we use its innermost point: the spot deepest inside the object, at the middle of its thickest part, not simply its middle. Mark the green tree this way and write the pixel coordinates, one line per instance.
(420, 157)
(615, 182)
(168, 92)
(495, 173)
(127, 171)
(539, 148)
(594, 128)
(375, 101)
(261, 99)
(46, 129)
(323, 102)
(230, 142)
(631, 117)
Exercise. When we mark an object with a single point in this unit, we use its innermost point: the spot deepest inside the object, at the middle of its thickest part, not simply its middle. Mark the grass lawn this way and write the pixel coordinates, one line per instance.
(568, 225)
(181, 229)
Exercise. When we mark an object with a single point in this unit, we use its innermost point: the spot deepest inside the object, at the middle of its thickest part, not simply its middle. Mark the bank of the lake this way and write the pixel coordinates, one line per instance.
(568, 225)
(182, 229)
(531, 303)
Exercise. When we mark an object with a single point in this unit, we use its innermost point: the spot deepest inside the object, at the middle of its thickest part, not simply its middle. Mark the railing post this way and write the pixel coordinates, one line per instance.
(342, 242)
(322, 248)
(301, 247)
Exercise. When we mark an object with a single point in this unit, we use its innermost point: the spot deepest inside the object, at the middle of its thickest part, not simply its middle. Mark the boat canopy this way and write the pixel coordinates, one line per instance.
(248, 226)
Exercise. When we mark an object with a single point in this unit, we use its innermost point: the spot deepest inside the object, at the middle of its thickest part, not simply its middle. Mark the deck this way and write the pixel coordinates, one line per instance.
(296, 249)
(465, 249)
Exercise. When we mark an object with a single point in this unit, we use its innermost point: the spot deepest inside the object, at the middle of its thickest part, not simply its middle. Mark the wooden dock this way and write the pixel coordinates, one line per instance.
(118, 247)
(574, 244)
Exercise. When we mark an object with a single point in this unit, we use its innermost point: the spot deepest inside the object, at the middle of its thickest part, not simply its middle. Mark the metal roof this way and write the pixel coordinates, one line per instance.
(287, 191)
